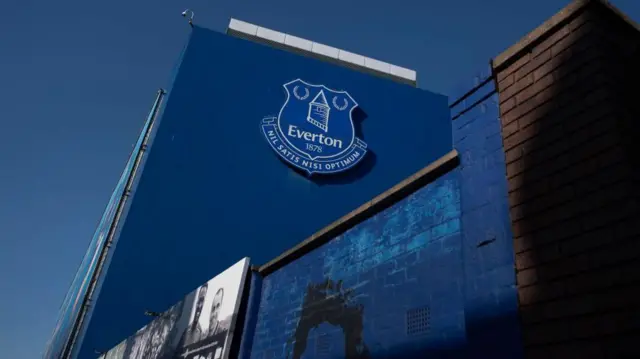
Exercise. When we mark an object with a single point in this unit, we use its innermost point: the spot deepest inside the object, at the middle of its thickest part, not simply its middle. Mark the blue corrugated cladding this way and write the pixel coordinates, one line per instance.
(431, 276)
(212, 191)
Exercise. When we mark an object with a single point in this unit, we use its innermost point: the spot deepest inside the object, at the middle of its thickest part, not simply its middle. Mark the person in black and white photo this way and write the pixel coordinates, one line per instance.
(195, 328)
(160, 329)
(194, 332)
(214, 321)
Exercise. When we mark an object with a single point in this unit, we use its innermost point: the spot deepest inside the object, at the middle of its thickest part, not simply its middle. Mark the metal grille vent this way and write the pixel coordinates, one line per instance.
(418, 321)
(323, 345)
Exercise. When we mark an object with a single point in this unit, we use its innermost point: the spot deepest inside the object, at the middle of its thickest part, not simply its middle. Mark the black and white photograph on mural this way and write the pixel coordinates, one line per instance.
(198, 327)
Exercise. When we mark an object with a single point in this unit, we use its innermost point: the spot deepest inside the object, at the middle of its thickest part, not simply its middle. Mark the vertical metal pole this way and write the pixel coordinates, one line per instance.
(104, 251)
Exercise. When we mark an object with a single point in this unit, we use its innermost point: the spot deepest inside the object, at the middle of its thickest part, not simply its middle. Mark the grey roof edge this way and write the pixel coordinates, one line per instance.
(304, 47)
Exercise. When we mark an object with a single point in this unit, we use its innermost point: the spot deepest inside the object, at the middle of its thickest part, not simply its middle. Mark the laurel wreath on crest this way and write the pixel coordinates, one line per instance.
(295, 93)
(306, 95)
(340, 108)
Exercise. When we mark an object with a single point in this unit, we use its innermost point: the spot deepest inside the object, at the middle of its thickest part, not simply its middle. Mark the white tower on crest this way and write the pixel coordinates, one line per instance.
(319, 112)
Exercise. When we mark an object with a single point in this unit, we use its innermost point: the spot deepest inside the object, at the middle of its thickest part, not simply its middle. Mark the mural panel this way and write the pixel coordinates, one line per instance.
(390, 287)
(198, 327)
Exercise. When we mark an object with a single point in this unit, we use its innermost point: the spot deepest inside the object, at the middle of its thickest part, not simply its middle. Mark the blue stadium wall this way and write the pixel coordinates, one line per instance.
(212, 191)
(431, 276)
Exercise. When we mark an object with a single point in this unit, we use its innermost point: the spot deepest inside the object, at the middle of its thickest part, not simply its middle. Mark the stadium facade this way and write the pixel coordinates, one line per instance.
(315, 203)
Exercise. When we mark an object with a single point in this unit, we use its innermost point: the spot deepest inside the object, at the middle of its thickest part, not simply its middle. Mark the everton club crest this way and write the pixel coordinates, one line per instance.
(314, 130)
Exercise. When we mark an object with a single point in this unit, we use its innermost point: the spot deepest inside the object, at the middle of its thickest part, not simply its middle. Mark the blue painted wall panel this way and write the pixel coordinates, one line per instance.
(491, 303)
(251, 318)
(406, 260)
(212, 190)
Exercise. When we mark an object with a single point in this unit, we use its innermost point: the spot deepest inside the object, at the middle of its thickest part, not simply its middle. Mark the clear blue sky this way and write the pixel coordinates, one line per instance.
(77, 79)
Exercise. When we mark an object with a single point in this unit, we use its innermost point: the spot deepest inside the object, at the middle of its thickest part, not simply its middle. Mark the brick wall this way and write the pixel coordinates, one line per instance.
(389, 287)
(569, 123)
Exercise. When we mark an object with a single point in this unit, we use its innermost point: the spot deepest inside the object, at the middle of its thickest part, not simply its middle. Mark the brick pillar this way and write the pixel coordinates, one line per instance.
(569, 114)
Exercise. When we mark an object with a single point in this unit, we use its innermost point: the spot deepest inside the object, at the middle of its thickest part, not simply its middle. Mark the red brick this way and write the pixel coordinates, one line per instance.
(533, 189)
(578, 58)
(509, 129)
(623, 346)
(532, 314)
(619, 322)
(542, 291)
(528, 295)
(507, 105)
(587, 241)
(538, 61)
(533, 108)
(550, 114)
(618, 297)
(513, 154)
(563, 268)
(606, 195)
(520, 136)
(513, 67)
(544, 333)
(608, 157)
(526, 277)
(574, 349)
(605, 278)
(537, 101)
(592, 123)
(537, 86)
(627, 229)
(514, 183)
(515, 168)
(521, 244)
(537, 237)
(557, 197)
(555, 162)
(618, 253)
(516, 198)
(516, 213)
(553, 38)
(585, 327)
(517, 87)
(574, 219)
(506, 82)
(569, 307)
(585, 33)
(587, 17)
(609, 214)
(547, 218)
(604, 177)
(526, 260)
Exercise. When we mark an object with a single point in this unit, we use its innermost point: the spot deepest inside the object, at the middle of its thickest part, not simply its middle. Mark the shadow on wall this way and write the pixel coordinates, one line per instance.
(329, 308)
(328, 302)
(573, 205)
(357, 296)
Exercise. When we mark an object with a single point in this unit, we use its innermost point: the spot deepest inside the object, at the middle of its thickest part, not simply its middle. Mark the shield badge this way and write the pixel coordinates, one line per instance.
(314, 130)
